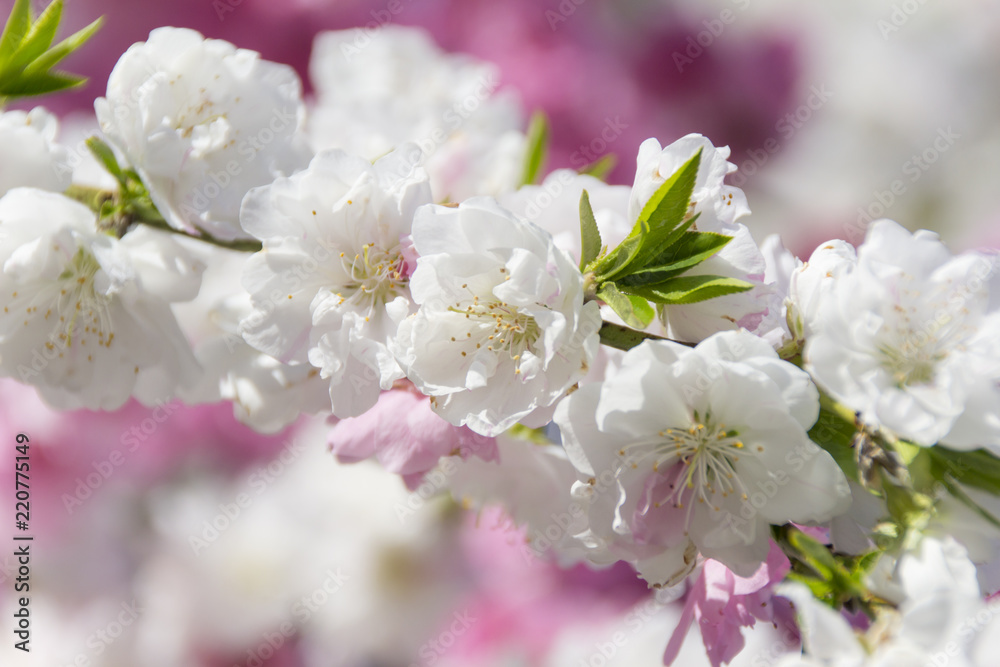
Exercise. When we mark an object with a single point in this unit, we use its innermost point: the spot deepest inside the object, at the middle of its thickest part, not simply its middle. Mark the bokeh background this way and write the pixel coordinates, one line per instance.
(836, 112)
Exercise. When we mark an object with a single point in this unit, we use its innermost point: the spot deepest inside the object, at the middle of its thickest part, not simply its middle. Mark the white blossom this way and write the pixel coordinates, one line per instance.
(718, 205)
(942, 618)
(750, 310)
(203, 122)
(398, 86)
(502, 331)
(554, 205)
(904, 336)
(86, 316)
(687, 451)
(811, 279)
(29, 154)
(266, 394)
(331, 283)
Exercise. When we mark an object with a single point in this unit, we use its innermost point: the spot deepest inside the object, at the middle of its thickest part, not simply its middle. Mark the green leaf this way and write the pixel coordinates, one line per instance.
(26, 60)
(15, 31)
(538, 146)
(39, 37)
(964, 498)
(600, 168)
(820, 589)
(623, 338)
(667, 209)
(106, 157)
(41, 84)
(589, 233)
(835, 435)
(692, 249)
(825, 564)
(978, 469)
(689, 289)
(635, 311)
(67, 46)
(658, 227)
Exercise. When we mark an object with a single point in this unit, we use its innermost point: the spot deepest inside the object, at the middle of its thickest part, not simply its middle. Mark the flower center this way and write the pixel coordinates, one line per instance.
(707, 453)
(498, 327)
(912, 362)
(72, 307)
(911, 353)
(375, 277)
(81, 305)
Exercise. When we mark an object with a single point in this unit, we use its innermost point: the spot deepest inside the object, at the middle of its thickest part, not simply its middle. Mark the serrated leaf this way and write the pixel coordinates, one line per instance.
(691, 249)
(40, 36)
(590, 235)
(107, 158)
(657, 227)
(666, 210)
(14, 31)
(600, 168)
(67, 46)
(634, 311)
(41, 84)
(618, 259)
(537, 149)
(689, 289)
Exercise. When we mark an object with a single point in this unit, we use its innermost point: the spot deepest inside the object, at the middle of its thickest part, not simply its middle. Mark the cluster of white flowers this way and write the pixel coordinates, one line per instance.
(904, 333)
(405, 255)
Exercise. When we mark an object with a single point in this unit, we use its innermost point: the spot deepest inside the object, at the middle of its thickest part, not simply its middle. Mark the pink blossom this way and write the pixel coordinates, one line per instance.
(521, 605)
(723, 603)
(409, 254)
(79, 454)
(406, 437)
